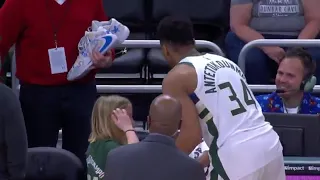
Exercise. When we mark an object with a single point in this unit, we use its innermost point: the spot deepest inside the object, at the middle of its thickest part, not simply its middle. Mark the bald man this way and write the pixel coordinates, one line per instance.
(156, 157)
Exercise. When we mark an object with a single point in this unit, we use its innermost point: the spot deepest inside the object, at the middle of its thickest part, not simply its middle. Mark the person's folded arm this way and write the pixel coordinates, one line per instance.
(240, 17)
(312, 19)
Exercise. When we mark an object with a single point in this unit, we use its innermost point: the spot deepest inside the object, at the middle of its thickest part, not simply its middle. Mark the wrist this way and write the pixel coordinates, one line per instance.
(129, 130)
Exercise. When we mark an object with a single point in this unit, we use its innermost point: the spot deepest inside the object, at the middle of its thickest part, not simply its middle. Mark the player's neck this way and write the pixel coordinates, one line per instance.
(293, 101)
(192, 52)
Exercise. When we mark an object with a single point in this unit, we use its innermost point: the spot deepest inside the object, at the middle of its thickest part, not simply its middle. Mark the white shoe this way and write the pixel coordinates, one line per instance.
(100, 40)
(113, 26)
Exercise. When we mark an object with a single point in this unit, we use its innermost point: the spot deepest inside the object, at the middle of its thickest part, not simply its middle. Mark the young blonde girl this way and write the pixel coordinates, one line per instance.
(111, 126)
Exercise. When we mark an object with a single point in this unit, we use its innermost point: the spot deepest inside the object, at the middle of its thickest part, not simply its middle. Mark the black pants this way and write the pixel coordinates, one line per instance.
(47, 109)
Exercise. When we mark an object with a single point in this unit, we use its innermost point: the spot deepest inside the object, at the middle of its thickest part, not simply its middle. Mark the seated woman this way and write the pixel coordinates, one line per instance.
(111, 125)
(270, 19)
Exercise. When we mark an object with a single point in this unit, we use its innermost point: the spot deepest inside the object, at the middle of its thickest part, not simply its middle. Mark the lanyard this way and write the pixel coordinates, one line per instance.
(56, 26)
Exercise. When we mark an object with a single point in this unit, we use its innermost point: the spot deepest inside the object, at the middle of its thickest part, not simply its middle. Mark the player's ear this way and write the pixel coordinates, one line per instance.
(165, 50)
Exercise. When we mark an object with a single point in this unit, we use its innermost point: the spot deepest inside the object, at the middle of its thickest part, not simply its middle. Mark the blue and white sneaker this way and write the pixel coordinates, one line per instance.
(114, 27)
(101, 40)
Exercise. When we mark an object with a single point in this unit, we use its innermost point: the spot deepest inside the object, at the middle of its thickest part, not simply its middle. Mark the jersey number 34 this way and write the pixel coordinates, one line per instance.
(247, 95)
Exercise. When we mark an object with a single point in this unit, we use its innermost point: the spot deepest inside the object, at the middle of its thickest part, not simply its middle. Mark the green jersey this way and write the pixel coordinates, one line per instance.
(96, 158)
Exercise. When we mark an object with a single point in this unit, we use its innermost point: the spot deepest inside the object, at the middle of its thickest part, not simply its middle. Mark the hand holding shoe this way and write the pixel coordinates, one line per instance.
(101, 61)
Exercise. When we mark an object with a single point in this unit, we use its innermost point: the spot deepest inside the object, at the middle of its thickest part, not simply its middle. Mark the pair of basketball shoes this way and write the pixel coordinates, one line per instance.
(101, 37)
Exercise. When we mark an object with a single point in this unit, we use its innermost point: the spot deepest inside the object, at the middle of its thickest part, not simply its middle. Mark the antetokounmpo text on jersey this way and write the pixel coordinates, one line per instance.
(210, 73)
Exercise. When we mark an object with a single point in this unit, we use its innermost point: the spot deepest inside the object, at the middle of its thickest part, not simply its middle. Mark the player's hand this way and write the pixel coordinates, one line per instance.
(275, 53)
(101, 61)
(121, 119)
(204, 159)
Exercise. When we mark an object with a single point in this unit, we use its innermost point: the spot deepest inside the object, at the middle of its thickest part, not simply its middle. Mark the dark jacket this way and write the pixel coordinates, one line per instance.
(156, 158)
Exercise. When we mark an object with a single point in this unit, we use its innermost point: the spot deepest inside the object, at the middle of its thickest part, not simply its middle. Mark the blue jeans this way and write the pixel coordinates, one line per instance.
(260, 69)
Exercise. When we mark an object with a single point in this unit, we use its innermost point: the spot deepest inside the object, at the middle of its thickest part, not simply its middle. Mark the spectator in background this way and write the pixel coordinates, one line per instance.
(13, 137)
(270, 19)
(156, 157)
(111, 126)
(49, 101)
(294, 76)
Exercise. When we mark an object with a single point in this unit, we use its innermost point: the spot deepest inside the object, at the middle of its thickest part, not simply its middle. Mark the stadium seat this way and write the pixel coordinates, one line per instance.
(210, 19)
(53, 163)
(157, 64)
(142, 134)
(129, 65)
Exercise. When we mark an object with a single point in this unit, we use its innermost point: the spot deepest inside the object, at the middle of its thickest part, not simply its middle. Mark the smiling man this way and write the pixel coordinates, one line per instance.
(294, 82)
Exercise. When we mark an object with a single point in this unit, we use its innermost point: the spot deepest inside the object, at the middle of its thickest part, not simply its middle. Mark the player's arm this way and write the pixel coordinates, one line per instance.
(179, 85)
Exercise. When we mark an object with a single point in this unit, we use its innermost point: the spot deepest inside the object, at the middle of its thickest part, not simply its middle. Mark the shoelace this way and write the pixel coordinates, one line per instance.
(122, 52)
(84, 43)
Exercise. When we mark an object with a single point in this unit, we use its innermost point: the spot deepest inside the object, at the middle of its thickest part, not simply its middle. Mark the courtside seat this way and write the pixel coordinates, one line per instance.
(210, 20)
(157, 64)
(142, 135)
(201, 11)
(53, 163)
(129, 65)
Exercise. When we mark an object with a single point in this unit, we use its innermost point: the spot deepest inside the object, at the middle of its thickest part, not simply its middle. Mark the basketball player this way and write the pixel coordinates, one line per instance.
(213, 89)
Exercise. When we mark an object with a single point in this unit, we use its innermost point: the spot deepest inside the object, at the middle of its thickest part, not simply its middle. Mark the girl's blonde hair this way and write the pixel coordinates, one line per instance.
(102, 126)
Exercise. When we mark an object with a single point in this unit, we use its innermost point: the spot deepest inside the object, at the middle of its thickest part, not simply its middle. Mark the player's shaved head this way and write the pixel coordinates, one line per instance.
(165, 115)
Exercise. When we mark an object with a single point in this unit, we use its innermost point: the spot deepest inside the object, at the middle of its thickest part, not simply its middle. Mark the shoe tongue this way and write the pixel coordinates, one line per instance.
(101, 29)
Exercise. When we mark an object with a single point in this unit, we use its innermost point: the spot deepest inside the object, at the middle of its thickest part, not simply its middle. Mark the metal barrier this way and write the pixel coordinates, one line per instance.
(156, 44)
(274, 42)
(128, 44)
(157, 88)
(140, 89)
